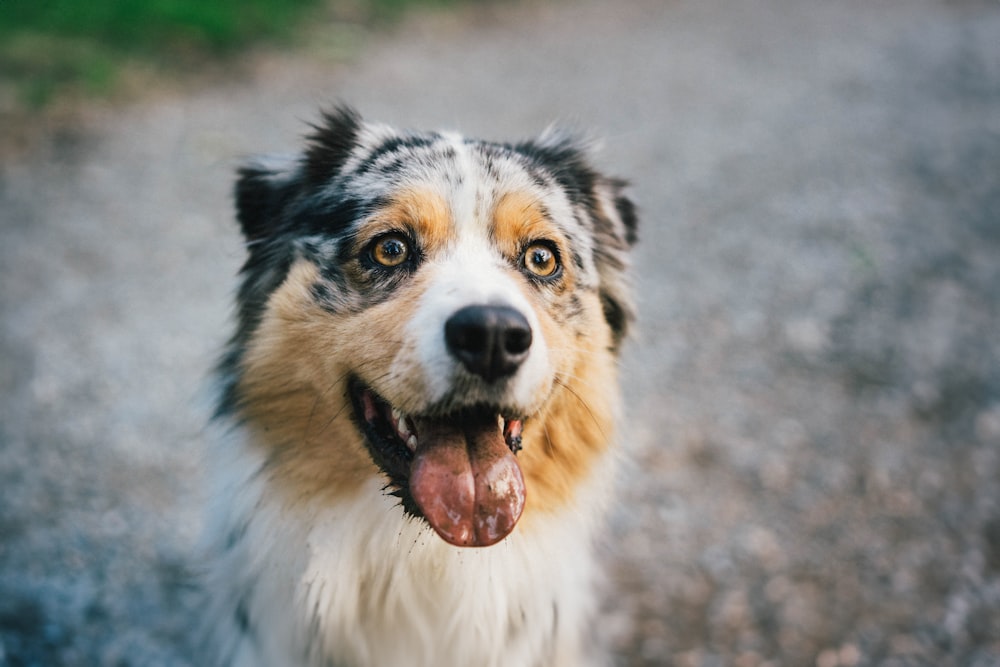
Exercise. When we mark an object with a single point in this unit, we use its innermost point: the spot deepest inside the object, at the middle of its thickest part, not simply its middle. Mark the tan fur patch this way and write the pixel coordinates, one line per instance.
(294, 385)
(567, 438)
(519, 218)
(423, 212)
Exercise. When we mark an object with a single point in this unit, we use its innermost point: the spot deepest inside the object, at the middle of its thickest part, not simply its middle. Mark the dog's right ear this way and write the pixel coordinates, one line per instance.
(265, 186)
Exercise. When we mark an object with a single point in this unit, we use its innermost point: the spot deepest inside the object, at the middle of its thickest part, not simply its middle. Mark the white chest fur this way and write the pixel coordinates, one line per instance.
(356, 583)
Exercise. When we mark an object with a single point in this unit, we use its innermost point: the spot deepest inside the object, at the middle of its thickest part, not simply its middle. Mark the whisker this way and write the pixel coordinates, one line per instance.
(548, 440)
(583, 403)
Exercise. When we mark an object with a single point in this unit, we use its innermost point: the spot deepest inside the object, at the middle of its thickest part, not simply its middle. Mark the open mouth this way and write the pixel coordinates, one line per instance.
(459, 472)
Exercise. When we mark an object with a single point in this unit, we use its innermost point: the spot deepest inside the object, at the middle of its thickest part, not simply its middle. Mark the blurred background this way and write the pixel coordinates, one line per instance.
(812, 472)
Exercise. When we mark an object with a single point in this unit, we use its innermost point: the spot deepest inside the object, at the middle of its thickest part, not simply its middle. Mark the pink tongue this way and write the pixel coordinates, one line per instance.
(467, 482)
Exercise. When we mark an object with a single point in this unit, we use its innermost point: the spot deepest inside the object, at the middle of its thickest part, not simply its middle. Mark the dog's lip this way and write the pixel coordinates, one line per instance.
(457, 471)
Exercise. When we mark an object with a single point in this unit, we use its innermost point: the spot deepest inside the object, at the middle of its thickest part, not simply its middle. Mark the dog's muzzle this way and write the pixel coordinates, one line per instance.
(459, 466)
(466, 479)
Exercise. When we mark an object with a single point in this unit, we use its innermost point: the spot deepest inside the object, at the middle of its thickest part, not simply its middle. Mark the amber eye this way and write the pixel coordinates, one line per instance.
(390, 250)
(541, 260)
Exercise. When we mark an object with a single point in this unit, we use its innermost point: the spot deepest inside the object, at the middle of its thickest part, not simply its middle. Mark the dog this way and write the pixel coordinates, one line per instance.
(417, 410)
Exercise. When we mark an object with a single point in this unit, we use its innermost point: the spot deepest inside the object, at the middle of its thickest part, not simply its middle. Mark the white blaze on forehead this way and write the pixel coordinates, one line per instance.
(465, 193)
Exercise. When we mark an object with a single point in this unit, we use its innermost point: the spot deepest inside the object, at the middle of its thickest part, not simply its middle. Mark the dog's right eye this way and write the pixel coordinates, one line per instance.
(390, 250)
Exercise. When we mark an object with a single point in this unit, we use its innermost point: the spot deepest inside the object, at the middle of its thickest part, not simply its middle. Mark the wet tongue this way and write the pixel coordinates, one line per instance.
(466, 481)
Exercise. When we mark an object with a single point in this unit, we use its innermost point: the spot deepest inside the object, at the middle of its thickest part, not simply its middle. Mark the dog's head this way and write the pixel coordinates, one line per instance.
(422, 306)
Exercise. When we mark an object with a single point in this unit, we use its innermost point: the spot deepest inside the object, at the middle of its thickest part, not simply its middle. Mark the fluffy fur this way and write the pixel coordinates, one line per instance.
(361, 250)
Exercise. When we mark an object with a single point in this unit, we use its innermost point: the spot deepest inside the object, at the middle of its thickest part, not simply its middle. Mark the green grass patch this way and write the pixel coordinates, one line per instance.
(47, 46)
(151, 26)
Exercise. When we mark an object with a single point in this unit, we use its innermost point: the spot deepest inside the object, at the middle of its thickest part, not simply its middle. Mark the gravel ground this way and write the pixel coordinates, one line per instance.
(814, 441)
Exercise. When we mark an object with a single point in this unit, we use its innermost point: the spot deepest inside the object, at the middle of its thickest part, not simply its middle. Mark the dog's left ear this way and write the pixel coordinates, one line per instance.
(611, 212)
(615, 232)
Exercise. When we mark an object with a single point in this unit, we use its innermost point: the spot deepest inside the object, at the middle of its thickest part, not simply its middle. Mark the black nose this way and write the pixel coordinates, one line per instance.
(490, 341)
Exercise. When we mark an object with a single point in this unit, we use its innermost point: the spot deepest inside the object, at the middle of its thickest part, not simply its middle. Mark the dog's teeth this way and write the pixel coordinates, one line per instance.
(401, 424)
(412, 443)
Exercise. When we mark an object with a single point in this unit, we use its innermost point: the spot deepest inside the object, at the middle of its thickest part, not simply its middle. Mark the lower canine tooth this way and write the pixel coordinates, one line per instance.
(412, 443)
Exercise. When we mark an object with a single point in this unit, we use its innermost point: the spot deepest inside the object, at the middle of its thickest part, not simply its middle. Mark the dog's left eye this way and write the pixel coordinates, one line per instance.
(540, 260)
(390, 250)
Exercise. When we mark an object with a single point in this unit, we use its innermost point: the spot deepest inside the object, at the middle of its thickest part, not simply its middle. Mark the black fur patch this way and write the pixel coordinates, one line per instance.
(627, 212)
(331, 144)
(241, 616)
(566, 162)
(261, 194)
(393, 145)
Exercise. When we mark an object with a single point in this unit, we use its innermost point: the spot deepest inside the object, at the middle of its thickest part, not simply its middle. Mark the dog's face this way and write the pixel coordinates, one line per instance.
(442, 312)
